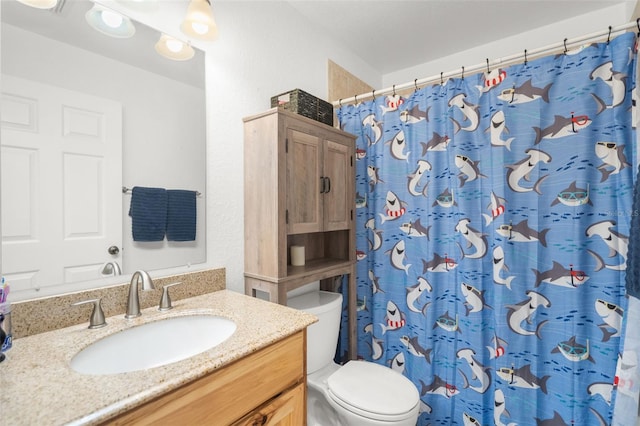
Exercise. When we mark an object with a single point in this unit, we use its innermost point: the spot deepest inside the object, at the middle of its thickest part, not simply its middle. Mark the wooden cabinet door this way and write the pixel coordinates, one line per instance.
(338, 196)
(285, 410)
(304, 171)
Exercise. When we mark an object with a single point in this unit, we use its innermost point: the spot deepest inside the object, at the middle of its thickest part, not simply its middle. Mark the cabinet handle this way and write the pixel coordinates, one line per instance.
(326, 185)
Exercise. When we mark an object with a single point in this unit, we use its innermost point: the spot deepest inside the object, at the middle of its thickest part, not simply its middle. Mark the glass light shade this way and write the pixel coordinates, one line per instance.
(40, 4)
(199, 22)
(174, 49)
(110, 23)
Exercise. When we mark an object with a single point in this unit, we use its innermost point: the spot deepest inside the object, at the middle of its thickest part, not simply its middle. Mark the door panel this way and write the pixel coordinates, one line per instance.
(338, 200)
(304, 202)
(61, 184)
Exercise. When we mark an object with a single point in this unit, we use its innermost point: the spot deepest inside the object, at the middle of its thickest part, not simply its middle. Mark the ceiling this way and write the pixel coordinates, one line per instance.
(391, 35)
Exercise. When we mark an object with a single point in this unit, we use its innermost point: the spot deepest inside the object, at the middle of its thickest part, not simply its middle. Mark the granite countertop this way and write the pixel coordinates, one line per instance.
(37, 385)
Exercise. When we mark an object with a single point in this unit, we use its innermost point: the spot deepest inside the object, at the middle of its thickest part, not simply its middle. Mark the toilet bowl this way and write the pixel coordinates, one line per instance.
(358, 393)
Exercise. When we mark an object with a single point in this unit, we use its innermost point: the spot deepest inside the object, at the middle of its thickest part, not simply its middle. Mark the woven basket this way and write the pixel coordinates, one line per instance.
(307, 105)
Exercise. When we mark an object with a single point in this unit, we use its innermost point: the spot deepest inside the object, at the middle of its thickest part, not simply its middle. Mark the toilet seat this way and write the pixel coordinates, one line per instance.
(364, 388)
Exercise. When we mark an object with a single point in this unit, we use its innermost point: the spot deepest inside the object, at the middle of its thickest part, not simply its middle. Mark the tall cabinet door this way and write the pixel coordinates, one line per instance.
(338, 195)
(304, 183)
(61, 184)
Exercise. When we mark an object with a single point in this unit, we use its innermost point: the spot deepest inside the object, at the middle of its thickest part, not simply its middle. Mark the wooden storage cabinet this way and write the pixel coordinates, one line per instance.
(268, 385)
(298, 190)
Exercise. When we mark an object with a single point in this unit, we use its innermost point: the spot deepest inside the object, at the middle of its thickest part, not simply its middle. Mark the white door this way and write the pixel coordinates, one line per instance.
(61, 184)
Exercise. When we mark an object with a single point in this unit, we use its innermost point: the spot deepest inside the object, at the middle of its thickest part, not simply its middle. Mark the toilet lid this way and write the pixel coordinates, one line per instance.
(373, 390)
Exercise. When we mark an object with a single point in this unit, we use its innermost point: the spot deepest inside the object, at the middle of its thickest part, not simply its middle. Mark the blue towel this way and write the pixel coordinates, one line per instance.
(632, 279)
(148, 213)
(181, 215)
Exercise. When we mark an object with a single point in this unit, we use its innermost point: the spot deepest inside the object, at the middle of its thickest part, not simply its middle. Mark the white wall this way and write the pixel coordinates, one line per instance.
(548, 35)
(264, 48)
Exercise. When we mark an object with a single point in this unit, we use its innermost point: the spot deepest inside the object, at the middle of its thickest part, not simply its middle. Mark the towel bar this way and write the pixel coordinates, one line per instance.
(126, 190)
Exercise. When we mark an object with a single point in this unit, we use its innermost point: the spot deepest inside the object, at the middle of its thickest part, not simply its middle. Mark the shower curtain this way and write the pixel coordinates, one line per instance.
(493, 216)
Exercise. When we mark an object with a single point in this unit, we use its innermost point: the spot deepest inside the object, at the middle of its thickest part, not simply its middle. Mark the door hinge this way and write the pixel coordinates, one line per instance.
(286, 216)
(352, 215)
(352, 161)
(286, 145)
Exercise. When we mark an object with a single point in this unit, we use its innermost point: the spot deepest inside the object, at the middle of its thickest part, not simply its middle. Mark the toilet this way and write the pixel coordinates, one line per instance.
(358, 393)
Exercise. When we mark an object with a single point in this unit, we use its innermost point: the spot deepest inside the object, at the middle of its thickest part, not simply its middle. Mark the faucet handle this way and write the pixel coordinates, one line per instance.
(165, 300)
(97, 315)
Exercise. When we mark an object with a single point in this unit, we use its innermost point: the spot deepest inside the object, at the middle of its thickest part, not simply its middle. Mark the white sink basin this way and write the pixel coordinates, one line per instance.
(153, 344)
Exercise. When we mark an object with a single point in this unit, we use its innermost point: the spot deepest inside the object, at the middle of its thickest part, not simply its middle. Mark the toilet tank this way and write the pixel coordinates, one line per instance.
(322, 336)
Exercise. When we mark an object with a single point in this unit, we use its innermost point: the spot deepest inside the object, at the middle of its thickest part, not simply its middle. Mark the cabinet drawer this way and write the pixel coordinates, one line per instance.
(229, 393)
(286, 409)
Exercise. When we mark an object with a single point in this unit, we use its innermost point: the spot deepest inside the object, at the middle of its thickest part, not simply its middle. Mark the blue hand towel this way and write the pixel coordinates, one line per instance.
(148, 213)
(181, 215)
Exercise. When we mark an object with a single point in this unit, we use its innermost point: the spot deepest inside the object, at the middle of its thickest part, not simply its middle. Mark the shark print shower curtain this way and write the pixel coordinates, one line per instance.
(493, 217)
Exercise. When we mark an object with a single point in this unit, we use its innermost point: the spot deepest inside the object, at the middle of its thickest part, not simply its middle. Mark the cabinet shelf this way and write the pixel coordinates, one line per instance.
(313, 270)
(317, 266)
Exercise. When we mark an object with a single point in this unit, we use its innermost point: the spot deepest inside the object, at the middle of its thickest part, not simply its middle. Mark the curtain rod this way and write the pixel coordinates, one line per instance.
(500, 62)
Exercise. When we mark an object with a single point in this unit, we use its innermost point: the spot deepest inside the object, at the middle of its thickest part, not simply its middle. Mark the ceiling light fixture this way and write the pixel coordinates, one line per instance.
(199, 22)
(40, 4)
(109, 22)
(174, 49)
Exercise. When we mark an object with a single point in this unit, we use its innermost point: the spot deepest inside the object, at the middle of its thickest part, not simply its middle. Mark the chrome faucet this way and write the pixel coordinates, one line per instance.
(111, 268)
(133, 302)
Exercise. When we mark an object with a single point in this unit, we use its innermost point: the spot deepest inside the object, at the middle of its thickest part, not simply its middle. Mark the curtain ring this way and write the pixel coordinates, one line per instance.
(340, 102)
(441, 79)
(565, 46)
(462, 73)
(488, 70)
(638, 25)
(356, 99)
(415, 83)
(609, 36)
(394, 90)
(525, 57)
(374, 94)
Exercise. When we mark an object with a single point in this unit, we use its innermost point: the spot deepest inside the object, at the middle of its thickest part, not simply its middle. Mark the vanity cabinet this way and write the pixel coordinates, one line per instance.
(267, 387)
(299, 184)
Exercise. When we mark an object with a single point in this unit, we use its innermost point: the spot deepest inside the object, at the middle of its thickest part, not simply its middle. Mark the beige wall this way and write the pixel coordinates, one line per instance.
(343, 84)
